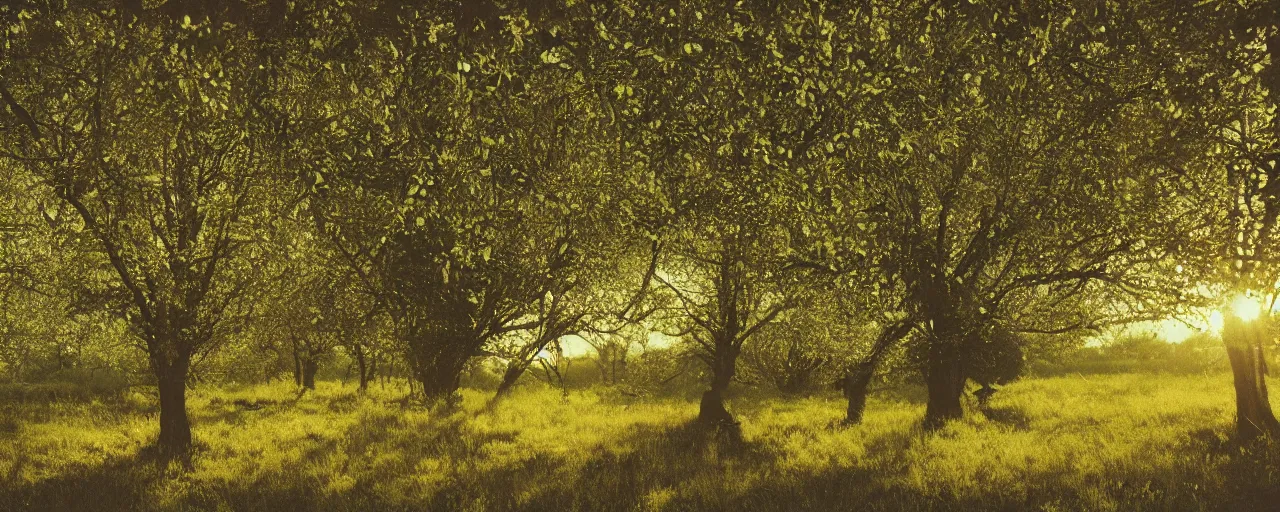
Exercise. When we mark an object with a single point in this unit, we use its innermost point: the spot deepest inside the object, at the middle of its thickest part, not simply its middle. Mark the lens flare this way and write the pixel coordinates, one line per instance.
(1246, 308)
(1216, 321)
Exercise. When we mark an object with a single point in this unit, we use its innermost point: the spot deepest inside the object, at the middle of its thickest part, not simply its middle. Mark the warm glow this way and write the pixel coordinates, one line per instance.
(1246, 308)
(1215, 321)
(1174, 331)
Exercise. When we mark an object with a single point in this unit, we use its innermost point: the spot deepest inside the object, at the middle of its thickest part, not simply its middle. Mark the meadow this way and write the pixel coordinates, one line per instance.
(1100, 442)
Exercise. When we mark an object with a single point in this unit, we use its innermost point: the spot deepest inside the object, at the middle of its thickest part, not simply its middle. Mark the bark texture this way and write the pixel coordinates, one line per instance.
(1244, 342)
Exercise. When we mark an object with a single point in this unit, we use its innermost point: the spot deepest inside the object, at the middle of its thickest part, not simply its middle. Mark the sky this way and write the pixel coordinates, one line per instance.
(1177, 331)
(575, 346)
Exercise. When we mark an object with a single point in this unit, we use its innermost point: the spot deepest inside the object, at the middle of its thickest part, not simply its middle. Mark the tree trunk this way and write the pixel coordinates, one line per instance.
(309, 368)
(519, 365)
(515, 369)
(619, 367)
(437, 353)
(859, 377)
(945, 381)
(438, 367)
(297, 367)
(1244, 342)
(440, 384)
(175, 427)
(711, 410)
(362, 368)
(612, 361)
(855, 391)
(723, 366)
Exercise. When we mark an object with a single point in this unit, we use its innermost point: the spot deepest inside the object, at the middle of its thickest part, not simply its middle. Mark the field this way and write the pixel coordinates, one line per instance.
(1116, 442)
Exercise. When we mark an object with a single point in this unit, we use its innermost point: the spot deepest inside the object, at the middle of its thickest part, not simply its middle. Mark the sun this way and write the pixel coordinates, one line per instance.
(1246, 308)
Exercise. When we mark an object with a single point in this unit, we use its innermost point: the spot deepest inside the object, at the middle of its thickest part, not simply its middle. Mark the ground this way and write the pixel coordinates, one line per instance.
(1119, 442)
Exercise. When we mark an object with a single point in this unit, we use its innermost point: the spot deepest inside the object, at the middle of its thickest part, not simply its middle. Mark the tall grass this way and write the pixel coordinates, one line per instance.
(1115, 442)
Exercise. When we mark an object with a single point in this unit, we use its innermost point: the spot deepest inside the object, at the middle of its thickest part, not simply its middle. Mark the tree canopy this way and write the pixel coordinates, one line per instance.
(438, 182)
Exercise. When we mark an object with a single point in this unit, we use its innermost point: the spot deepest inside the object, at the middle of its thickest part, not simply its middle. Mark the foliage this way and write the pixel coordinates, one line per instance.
(794, 191)
(805, 352)
(996, 360)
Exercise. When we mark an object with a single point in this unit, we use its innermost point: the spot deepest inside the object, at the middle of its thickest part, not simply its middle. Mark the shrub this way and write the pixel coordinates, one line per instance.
(804, 354)
(665, 371)
(1143, 353)
(94, 381)
(1143, 346)
(995, 359)
(483, 373)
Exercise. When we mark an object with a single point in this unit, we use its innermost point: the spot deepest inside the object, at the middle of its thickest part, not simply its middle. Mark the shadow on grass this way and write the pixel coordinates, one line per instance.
(447, 437)
(236, 415)
(618, 476)
(1249, 481)
(664, 467)
(914, 394)
(622, 475)
(1250, 470)
(120, 483)
(1012, 417)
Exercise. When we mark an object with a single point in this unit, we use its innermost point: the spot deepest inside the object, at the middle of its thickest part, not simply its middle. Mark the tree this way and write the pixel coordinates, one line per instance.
(303, 310)
(858, 377)
(28, 288)
(721, 118)
(140, 128)
(1222, 150)
(1255, 145)
(995, 166)
(446, 178)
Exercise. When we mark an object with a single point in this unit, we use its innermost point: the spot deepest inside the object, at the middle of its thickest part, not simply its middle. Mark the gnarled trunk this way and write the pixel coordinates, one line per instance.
(859, 377)
(1244, 342)
(438, 360)
(723, 366)
(855, 391)
(517, 366)
(945, 381)
(440, 383)
(305, 363)
(515, 369)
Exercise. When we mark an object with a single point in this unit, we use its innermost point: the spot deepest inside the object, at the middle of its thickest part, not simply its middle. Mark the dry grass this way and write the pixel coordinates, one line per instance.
(1120, 442)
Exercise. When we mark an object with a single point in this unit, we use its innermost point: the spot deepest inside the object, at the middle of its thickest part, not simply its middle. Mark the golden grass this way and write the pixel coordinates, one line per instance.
(1119, 442)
